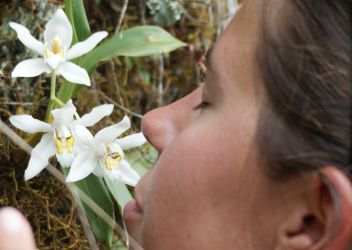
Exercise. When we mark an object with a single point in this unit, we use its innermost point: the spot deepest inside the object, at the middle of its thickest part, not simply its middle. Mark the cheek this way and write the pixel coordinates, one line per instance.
(202, 162)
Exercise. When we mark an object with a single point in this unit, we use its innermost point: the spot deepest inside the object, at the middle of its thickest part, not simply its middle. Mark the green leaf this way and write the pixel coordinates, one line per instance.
(119, 191)
(80, 20)
(95, 188)
(69, 14)
(137, 41)
(76, 14)
(142, 160)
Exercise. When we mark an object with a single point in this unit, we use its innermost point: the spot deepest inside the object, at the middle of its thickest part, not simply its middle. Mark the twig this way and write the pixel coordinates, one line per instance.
(119, 106)
(122, 16)
(160, 80)
(111, 74)
(142, 7)
(22, 103)
(199, 1)
(111, 62)
(84, 222)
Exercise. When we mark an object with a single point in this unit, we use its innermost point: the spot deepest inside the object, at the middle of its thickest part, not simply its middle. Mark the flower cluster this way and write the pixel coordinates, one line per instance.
(74, 146)
(67, 137)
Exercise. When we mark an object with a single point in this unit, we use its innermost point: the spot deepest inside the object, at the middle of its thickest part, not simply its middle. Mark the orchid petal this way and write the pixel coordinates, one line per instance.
(29, 124)
(60, 26)
(131, 141)
(115, 148)
(109, 134)
(27, 39)
(84, 138)
(69, 104)
(129, 175)
(96, 115)
(65, 159)
(73, 73)
(98, 172)
(129, 181)
(114, 175)
(83, 165)
(54, 61)
(84, 47)
(63, 116)
(40, 156)
(31, 68)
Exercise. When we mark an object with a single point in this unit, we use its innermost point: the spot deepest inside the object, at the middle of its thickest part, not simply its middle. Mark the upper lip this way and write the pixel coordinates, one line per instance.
(138, 197)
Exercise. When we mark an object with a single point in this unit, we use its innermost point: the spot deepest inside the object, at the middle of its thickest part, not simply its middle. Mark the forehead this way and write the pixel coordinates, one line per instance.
(234, 54)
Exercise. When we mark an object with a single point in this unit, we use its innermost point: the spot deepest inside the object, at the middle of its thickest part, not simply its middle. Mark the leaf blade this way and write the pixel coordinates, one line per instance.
(138, 41)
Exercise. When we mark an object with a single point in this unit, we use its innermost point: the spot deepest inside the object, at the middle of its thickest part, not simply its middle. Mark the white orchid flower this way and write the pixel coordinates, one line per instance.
(103, 154)
(58, 138)
(55, 50)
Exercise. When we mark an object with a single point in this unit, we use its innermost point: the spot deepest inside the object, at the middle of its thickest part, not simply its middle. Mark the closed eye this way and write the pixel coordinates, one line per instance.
(201, 105)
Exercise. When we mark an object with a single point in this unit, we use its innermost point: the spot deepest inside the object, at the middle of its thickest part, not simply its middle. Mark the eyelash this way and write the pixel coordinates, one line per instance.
(201, 105)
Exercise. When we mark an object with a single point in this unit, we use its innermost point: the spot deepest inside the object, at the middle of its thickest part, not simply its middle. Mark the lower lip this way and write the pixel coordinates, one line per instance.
(132, 211)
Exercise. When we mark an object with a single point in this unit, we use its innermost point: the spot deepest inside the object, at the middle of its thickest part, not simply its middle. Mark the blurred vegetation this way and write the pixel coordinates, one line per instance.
(134, 85)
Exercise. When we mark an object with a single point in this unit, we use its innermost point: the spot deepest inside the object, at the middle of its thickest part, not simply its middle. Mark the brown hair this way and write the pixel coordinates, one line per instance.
(305, 63)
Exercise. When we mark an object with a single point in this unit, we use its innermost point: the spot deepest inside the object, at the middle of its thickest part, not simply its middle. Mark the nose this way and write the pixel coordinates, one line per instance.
(161, 125)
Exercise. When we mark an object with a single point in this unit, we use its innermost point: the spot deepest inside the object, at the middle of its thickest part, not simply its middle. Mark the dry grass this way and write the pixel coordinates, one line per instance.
(45, 203)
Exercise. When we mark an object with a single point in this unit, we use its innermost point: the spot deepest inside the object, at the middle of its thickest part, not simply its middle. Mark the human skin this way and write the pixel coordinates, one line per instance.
(208, 190)
(15, 231)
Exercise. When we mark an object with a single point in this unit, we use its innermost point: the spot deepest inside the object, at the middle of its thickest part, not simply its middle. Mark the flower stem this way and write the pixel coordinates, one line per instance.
(58, 102)
(53, 86)
(53, 99)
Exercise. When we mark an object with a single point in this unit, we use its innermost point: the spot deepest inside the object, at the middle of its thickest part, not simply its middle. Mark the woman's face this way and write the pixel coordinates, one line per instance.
(207, 190)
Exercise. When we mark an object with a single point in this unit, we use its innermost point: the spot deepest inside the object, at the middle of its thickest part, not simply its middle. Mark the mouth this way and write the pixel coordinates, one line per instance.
(132, 212)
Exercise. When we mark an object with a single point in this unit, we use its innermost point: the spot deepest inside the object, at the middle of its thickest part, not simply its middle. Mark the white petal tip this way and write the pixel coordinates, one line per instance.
(72, 178)
(13, 25)
(110, 107)
(11, 119)
(68, 179)
(126, 119)
(86, 83)
(104, 34)
(27, 176)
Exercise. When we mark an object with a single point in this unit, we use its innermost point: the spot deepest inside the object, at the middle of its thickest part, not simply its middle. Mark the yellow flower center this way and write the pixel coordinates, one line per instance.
(112, 160)
(64, 144)
(55, 48)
